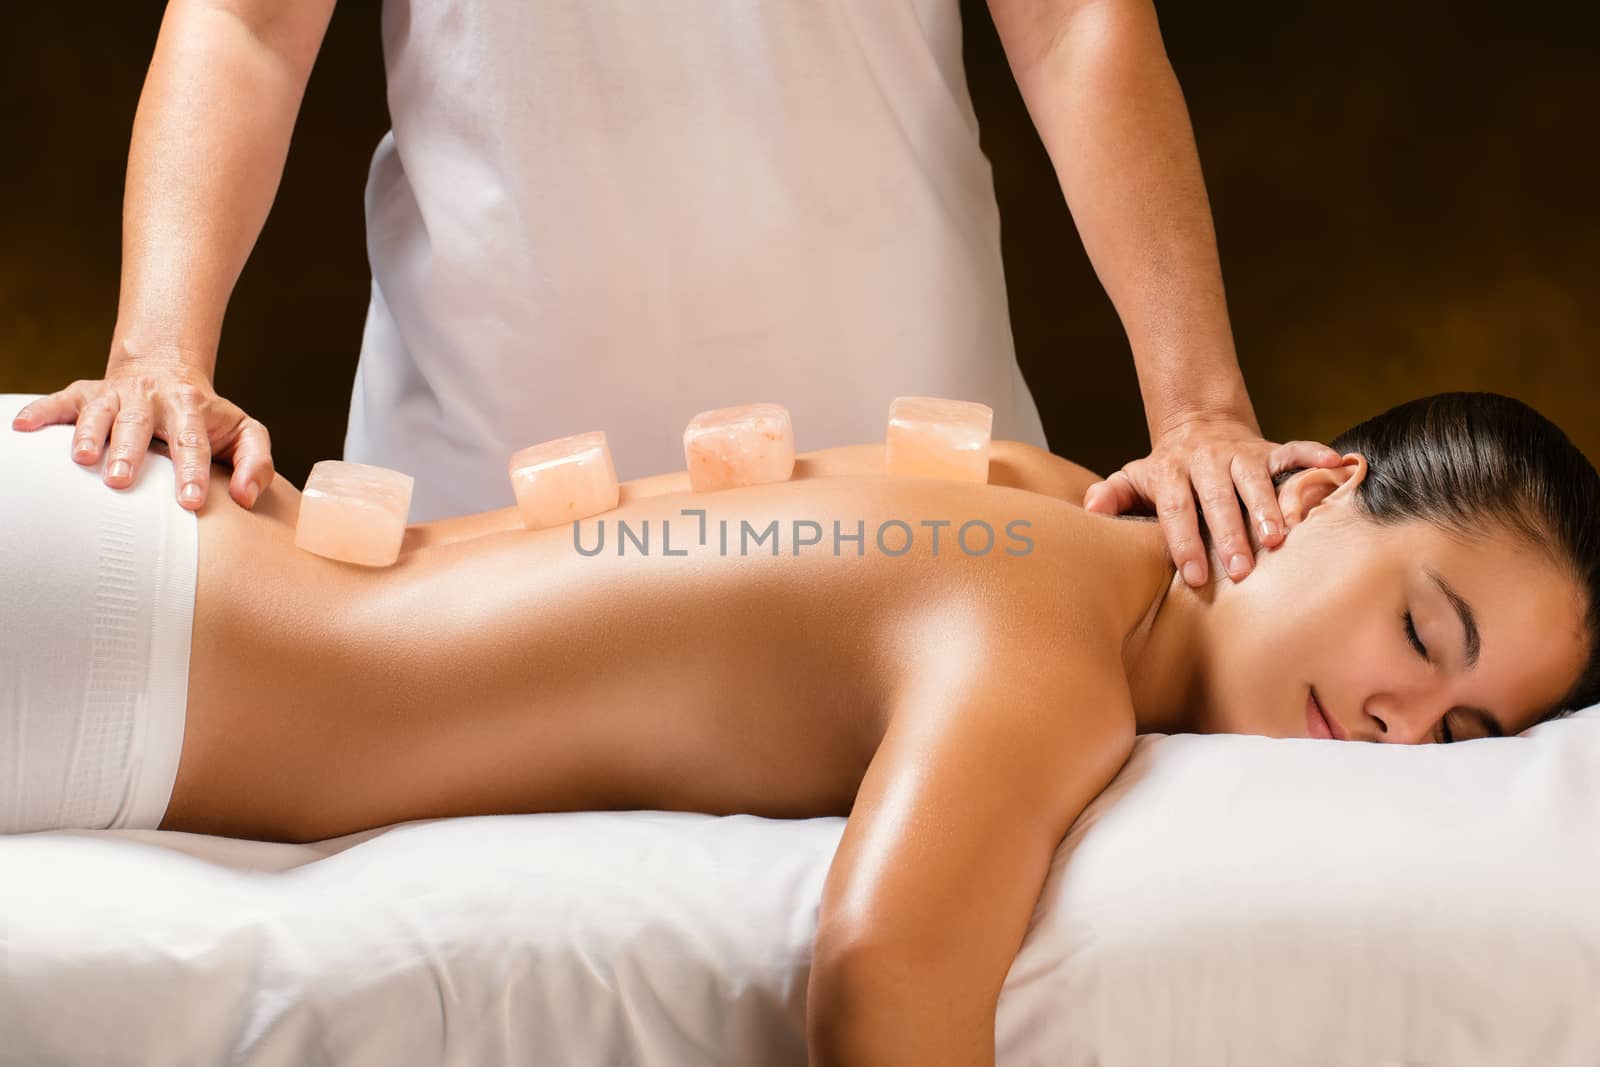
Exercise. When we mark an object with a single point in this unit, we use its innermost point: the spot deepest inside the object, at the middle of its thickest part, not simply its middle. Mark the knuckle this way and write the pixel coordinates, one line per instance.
(189, 437)
(1175, 469)
(1179, 544)
(1229, 542)
(1172, 507)
(133, 417)
(191, 395)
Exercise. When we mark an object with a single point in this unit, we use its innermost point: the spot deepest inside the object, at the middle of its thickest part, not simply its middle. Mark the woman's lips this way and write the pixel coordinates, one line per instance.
(1317, 721)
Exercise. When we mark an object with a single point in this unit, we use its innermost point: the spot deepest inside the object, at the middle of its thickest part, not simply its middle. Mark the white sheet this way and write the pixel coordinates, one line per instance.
(1228, 900)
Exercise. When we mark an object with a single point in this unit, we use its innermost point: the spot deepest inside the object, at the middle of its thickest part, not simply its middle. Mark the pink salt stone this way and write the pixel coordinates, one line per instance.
(354, 512)
(930, 437)
(565, 479)
(748, 444)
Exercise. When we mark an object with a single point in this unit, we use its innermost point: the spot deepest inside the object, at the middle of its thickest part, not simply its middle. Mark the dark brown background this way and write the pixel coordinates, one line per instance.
(1403, 193)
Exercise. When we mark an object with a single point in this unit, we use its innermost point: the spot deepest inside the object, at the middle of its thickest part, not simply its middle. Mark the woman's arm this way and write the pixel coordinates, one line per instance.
(987, 762)
(1011, 463)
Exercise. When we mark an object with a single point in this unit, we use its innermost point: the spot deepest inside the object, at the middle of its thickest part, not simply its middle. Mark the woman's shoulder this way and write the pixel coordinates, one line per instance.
(1026, 466)
(1014, 571)
(1093, 579)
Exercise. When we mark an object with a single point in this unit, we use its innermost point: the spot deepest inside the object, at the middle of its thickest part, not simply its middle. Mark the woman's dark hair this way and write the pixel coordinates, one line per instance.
(1470, 462)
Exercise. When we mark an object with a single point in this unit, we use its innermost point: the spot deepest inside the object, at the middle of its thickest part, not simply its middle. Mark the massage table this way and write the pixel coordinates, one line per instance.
(1227, 900)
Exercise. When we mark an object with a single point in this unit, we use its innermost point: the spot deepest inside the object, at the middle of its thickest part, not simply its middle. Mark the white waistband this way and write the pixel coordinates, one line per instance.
(98, 609)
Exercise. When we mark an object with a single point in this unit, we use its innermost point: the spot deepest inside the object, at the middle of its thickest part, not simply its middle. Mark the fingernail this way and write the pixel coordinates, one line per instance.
(1237, 565)
(120, 469)
(250, 491)
(191, 493)
(85, 448)
(1266, 529)
(1192, 573)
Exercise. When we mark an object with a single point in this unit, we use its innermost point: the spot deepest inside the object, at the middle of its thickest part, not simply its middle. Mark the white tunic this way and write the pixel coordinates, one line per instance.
(614, 214)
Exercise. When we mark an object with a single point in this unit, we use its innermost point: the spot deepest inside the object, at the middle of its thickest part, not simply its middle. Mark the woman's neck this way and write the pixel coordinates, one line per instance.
(1166, 655)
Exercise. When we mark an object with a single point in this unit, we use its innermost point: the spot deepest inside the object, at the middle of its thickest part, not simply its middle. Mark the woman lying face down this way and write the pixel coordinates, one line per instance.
(1439, 586)
(961, 708)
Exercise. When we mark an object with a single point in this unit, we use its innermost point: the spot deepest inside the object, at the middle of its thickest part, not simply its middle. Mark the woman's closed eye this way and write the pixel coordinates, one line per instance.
(1411, 634)
(1445, 735)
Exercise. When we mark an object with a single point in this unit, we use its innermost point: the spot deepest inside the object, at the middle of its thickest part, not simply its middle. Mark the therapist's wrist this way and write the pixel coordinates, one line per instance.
(1234, 407)
(135, 349)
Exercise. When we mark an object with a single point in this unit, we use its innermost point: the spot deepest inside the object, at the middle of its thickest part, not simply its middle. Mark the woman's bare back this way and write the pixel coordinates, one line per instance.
(715, 665)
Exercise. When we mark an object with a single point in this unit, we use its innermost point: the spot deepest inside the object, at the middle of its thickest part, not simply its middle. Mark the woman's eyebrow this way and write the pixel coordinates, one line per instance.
(1469, 622)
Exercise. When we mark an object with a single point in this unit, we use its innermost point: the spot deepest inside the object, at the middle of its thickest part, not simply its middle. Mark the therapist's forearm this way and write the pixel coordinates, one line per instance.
(1097, 82)
(209, 142)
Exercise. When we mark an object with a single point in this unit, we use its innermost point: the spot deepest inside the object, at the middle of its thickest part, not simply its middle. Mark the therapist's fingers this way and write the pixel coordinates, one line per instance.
(52, 408)
(1213, 470)
(253, 469)
(1298, 455)
(1254, 466)
(1114, 496)
(1167, 485)
(70, 404)
(1180, 524)
(183, 424)
(137, 403)
(1251, 471)
(132, 426)
(200, 428)
(1228, 461)
(94, 422)
(1193, 460)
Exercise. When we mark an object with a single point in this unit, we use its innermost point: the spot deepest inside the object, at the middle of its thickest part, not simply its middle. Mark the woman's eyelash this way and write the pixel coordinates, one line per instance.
(1416, 642)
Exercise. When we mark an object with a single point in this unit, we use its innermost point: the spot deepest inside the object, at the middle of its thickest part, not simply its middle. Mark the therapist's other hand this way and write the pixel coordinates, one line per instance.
(136, 401)
(1209, 459)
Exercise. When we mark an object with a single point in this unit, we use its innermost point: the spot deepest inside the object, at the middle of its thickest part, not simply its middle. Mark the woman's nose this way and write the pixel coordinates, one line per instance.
(1406, 724)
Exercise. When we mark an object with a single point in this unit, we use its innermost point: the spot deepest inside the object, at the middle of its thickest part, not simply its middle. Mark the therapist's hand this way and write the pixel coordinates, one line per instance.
(167, 399)
(1209, 459)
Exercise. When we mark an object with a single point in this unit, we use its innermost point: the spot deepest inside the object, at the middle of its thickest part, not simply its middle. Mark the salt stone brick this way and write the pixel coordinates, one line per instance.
(748, 444)
(930, 437)
(354, 512)
(565, 479)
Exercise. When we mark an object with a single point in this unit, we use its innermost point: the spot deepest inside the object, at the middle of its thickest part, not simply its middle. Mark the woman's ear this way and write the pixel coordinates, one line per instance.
(1302, 492)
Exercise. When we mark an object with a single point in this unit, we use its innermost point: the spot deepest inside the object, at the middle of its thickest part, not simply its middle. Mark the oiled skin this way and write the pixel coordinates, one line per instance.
(494, 669)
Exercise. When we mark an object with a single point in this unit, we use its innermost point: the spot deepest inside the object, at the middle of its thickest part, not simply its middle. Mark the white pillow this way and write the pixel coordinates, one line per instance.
(1245, 900)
